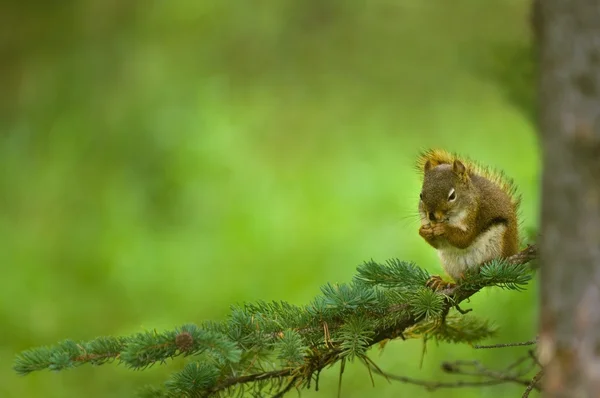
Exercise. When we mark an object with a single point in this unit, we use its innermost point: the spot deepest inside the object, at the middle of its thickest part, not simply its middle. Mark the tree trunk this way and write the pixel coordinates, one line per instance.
(568, 33)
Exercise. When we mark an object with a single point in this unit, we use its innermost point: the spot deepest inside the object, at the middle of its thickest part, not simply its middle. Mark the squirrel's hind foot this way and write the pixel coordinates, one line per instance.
(436, 283)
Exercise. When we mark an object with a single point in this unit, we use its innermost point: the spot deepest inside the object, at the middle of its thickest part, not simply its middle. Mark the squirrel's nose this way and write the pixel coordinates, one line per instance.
(431, 216)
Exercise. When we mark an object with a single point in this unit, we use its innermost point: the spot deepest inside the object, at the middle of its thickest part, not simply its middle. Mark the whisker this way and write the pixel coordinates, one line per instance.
(409, 219)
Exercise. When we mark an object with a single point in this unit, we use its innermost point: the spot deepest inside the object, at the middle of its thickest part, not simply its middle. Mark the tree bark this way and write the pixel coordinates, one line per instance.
(568, 33)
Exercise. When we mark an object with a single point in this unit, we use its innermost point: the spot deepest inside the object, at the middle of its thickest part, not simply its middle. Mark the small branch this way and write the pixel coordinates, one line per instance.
(522, 360)
(535, 358)
(526, 255)
(504, 345)
(517, 363)
(463, 311)
(434, 385)
(495, 379)
(480, 370)
(533, 384)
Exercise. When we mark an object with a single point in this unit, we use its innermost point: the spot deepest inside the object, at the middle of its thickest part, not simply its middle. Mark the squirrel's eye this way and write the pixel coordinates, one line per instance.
(451, 195)
(421, 196)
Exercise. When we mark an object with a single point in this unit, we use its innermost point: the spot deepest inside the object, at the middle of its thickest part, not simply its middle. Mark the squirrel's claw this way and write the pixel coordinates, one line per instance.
(436, 283)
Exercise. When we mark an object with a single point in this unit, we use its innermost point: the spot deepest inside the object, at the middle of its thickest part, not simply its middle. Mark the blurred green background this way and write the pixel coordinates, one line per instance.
(160, 161)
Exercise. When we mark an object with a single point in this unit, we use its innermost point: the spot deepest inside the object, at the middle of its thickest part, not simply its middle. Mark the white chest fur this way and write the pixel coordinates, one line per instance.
(486, 247)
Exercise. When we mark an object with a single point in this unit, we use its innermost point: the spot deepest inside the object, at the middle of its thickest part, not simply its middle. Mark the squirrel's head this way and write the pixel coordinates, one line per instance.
(447, 192)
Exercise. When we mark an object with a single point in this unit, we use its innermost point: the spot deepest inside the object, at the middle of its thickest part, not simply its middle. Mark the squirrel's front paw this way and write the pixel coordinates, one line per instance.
(426, 231)
(438, 229)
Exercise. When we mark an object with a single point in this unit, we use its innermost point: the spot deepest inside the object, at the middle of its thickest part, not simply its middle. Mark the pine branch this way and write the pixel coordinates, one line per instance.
(458, 293)
(278, 346)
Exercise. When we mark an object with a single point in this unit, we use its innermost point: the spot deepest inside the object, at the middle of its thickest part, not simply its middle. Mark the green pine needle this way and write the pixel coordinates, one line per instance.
(427, 304)
(393, 274)
(338, 300)
(355, 336)
(193, 380)
(348, 297)
(69, 354)
(291, 349)
(145, 349)
(499, 273)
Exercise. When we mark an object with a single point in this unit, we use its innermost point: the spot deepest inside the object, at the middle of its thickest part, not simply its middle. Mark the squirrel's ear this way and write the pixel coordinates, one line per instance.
(430, 164)
(459, 168)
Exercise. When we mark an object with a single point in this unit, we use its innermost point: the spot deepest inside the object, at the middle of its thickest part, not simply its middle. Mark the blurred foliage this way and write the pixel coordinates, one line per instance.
(160, 161)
